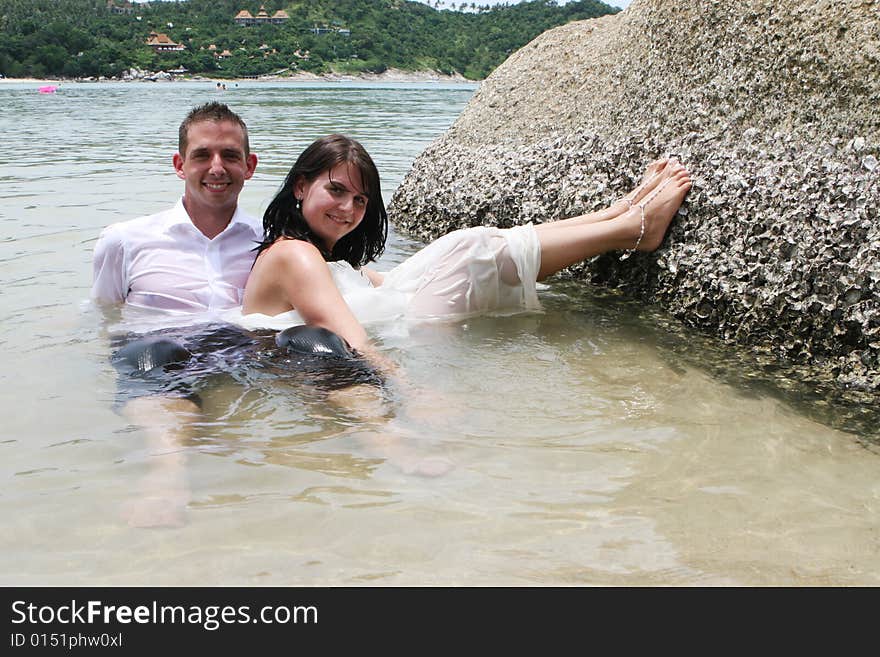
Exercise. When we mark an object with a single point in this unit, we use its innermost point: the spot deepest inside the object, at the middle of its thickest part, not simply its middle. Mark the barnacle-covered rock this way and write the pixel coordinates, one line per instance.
(772, 104)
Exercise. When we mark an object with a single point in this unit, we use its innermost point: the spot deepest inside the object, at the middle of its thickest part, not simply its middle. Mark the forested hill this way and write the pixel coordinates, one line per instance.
(82, 38)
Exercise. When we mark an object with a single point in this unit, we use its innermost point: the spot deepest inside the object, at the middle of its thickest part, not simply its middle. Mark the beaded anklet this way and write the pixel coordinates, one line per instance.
(628, 252)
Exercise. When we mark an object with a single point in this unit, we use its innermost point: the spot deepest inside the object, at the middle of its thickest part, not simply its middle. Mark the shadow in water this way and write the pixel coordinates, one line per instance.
(749, 371)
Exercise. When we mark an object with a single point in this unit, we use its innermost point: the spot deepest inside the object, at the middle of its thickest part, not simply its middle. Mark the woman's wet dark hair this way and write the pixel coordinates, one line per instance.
(283, 219)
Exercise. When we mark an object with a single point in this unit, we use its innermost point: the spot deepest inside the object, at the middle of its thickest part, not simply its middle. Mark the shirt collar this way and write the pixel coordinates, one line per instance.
(178, 219)
(178, 216)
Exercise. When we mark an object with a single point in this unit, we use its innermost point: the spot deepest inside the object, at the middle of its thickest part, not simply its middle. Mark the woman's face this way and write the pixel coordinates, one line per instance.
(334, 203)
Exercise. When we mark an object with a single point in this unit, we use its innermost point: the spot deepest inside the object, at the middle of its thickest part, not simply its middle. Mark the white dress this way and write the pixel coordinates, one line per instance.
(468, 272)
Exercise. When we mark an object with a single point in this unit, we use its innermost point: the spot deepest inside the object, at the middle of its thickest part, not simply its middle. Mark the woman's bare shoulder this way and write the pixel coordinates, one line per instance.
(282, 274)
(292, 253)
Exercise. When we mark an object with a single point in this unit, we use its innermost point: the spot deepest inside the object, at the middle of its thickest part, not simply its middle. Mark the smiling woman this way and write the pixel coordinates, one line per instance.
(330, 209)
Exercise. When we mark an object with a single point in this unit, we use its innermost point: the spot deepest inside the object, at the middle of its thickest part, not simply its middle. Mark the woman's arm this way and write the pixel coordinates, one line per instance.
(292, 275)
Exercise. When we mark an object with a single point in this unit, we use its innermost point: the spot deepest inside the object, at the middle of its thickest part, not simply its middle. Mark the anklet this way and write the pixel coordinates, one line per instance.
(628, 252)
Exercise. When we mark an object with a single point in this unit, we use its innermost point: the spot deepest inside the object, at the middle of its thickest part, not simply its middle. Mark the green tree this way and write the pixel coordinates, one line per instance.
(82, 37)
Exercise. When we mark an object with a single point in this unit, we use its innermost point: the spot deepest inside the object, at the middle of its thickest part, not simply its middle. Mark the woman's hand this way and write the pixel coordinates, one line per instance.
(376, 279)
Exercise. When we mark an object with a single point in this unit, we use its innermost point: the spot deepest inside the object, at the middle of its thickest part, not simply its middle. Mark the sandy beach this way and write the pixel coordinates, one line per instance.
(390, 75)
(31, 81)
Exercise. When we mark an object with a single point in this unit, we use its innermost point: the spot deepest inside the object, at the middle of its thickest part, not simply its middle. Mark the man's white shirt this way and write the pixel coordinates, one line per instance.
(163, 262)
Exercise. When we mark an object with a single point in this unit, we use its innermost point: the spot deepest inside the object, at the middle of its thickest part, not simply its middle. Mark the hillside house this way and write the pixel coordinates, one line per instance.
(245, 18)
(117, 7)
(160, 42)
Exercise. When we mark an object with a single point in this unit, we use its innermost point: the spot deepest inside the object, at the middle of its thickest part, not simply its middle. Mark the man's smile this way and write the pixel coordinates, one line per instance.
(216, 186)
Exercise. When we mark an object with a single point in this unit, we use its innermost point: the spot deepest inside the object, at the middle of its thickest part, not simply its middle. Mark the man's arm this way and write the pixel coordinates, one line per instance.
(108, 265)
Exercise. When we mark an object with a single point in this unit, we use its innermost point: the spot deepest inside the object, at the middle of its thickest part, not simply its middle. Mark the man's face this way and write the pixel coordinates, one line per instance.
(214, 166)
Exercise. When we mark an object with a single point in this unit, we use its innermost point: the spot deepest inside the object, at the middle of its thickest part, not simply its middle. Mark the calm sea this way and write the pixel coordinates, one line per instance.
(586, 444)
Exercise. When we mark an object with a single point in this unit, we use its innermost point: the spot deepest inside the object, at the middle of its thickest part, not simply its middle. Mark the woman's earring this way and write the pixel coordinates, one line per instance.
(299, 205)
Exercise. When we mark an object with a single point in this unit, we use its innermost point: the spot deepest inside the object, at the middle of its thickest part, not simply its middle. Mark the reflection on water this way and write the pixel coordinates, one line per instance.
(591, 445)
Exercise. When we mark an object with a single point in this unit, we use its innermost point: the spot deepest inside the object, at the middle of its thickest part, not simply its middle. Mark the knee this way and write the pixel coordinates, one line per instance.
(149, 353)
(325, 359)
(314, 341)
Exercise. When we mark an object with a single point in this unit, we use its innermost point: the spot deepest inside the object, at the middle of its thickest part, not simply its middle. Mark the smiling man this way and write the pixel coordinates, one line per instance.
(184, 263)
(196, 256)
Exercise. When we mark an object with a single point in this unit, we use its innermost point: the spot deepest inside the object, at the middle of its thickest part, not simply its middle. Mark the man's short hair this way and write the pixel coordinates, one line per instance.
(212, 111)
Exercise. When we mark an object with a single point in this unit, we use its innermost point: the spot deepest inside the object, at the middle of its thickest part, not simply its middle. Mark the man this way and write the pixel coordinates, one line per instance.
(189, 261)
(196, 256)
(192, 259)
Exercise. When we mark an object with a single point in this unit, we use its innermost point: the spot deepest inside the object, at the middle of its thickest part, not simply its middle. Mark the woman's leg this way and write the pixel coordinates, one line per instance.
(642, 227)
(652, 177)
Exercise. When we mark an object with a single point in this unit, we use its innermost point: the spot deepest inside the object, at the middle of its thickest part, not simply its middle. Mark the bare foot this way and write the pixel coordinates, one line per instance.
(652, 177)
(429, 466)
(659, 207)
(398, 452)
(156, 511)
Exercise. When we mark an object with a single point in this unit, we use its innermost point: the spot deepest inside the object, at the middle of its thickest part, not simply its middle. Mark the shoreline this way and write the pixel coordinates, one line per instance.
(390, 75)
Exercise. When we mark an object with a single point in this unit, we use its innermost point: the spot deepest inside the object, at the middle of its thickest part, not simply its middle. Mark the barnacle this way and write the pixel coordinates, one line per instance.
(773, 109)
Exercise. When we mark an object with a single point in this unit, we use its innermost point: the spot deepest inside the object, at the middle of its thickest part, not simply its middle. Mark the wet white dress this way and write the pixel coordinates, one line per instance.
(468, 272)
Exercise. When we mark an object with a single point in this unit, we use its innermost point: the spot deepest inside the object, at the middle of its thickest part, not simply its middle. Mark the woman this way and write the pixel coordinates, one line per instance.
(330, 210)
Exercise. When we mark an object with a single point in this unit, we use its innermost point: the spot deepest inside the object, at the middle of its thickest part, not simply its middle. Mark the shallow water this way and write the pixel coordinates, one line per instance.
(589, 446)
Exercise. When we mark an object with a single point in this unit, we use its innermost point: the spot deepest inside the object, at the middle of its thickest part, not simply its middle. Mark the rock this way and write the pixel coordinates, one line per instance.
(772, 104)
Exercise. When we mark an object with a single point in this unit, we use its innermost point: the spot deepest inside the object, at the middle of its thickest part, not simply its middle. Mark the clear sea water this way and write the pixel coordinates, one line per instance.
(589, 444)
